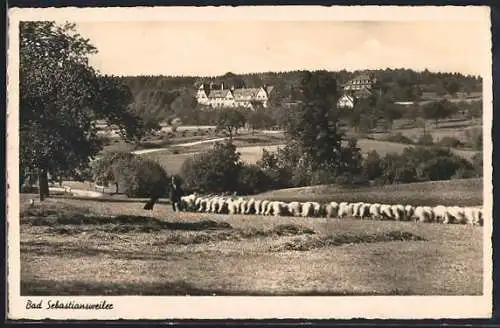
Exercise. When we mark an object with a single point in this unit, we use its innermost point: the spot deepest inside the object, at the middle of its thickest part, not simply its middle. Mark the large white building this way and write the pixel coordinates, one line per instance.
(357, 88)
(241, 97)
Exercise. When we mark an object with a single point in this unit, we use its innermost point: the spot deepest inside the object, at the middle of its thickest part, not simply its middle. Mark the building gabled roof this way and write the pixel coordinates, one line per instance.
(348, 97)
(362, 92)
(361, 77)
(246, 92)
(218, 93)
(269, 89)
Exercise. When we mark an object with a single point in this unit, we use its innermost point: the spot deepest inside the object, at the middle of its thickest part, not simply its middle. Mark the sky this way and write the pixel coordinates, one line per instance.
(210, 48)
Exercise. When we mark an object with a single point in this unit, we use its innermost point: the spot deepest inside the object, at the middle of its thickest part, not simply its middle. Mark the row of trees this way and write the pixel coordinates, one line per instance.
(159, 97)
(61, 98)
(368, 113)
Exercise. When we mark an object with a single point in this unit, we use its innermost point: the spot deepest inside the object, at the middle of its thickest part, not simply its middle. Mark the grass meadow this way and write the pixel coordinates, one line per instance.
(96, 247)
(462, 192)
(111, 246)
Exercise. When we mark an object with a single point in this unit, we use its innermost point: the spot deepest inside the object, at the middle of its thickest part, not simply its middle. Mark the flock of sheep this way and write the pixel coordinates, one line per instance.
(239, 205)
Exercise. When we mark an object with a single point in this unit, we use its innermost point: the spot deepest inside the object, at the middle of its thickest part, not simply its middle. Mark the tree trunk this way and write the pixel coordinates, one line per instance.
(43, 184)
(436, 122)
(116, 190)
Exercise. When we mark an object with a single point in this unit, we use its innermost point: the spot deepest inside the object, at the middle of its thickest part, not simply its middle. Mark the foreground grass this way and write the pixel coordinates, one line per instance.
(464, 192)
(74, 247)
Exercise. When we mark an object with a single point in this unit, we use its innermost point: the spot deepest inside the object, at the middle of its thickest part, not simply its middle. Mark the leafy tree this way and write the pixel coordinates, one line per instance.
(214, 170)
(230, 120)
(392, 112)
(259, 119)
(313, 124)
(475, 110)
(412, 113)
(426, 139)
(184, 107)
(438, 110)
(143, 178)
(108, 168)
(351, 157)
(474, 137)
(477, 164)
(61, 97)
(372, 165)
(252, 180)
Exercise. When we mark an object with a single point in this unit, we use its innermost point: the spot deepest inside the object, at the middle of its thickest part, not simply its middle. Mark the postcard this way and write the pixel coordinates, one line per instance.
(251, 162)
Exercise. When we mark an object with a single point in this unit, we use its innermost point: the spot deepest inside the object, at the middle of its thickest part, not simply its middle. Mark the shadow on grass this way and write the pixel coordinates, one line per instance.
(314, 242)
(177, 288)
(125, 223)
(48, 248)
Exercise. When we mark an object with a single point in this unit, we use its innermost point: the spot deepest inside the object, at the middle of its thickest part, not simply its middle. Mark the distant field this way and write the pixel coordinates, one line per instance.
(452, 192)
(84, 247)
(251, 154)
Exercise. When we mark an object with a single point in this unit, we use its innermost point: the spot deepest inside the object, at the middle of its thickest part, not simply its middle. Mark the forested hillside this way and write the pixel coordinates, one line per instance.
(159, 98)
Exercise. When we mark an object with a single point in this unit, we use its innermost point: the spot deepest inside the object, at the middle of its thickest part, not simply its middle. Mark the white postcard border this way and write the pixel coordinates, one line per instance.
(221, 307)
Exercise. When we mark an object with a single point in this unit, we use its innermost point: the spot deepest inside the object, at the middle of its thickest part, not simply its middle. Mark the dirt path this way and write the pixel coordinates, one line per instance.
(187, 144)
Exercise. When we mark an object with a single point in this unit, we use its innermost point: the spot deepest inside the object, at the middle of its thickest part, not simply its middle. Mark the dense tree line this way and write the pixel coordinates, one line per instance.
(158, 98)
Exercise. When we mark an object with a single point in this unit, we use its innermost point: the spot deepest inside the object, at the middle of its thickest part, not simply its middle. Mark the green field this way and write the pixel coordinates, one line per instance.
(465, 192)
(251, 154)
(84, 247)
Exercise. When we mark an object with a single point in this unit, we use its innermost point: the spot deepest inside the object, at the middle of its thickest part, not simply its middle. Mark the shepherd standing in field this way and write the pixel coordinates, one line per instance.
(176, 194)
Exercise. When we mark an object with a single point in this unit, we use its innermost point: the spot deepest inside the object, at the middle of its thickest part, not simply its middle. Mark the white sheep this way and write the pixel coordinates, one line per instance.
(317, 209)
(250, 208)
(364, 211)
(478, 216)
(269, 208)
(345, 209)
(332, 210)
(295, 208)
(441, 214)
(375, 213)
(422, 214)
(386, 212)
(398, 212)
(409, 210)
(188, 202)
(242, 205)
(355, 209)
(471, 215)
(223, 204)
(456, 214)
(307, 209)
(263, 206)
(257, 205)
(278, 208)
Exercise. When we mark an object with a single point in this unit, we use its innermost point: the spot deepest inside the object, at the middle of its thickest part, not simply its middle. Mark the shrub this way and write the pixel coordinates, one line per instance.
(372, 166)
(132, 175)
(273, 168)
(253, 180)
(399, 138)
(474, 138)
(144, 178)
(424, 164)
(214, 170)
(477, 164)
(442, 168)
(426, 140)
(450, 142)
